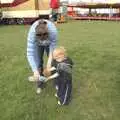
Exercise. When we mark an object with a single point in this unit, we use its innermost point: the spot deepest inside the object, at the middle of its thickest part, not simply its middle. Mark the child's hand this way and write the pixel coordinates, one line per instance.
(46, 79)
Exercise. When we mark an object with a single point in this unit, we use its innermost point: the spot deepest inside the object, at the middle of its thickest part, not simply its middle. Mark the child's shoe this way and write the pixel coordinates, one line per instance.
(59, 103)
(56, 87)
(38, 90)
(56, 95)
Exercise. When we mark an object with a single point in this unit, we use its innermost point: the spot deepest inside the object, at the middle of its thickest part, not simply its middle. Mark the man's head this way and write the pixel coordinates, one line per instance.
(42, 30)
(59, 54)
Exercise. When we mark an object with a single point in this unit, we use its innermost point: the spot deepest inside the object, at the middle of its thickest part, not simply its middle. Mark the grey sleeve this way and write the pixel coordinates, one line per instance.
(64, 67)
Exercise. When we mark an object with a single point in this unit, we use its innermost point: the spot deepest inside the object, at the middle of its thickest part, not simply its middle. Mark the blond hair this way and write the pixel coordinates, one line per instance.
(60, 50)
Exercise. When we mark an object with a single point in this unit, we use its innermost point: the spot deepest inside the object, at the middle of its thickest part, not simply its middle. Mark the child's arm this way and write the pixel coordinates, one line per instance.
(47, 71)
(52, 69)
(55, 75)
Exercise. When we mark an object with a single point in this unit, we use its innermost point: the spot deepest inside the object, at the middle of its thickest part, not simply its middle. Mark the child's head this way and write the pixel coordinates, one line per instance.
(59, 54)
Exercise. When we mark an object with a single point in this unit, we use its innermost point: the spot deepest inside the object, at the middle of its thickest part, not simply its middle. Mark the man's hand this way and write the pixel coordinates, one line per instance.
(35, 77)
(36, 74)
(46, 72)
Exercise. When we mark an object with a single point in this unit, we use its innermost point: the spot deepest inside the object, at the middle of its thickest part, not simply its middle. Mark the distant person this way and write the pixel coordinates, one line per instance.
(54, 5)
(42, 37)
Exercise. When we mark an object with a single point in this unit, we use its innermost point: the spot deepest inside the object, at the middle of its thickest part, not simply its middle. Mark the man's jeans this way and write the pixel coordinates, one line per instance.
(41, 51)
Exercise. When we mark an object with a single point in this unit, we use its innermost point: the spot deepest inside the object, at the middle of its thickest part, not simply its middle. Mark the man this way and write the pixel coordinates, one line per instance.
(42, 37)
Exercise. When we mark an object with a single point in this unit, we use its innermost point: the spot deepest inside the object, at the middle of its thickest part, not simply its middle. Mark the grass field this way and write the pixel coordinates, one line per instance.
(95, 49)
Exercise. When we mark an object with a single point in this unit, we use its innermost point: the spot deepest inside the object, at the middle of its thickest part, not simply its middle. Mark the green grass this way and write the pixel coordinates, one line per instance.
(95, 50)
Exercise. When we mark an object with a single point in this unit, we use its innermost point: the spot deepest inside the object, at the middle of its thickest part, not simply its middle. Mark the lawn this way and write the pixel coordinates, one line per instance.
(95, 50)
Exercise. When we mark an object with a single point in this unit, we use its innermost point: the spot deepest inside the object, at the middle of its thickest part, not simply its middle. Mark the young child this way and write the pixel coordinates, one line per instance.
(62, 74)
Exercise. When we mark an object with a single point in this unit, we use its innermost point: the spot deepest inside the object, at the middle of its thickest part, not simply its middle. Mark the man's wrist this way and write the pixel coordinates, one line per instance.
(36, 73)
(46, 80)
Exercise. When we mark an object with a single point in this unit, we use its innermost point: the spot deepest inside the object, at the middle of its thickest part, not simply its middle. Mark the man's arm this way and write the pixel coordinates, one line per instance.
(49, 60)
(32, 49)
(53, 41)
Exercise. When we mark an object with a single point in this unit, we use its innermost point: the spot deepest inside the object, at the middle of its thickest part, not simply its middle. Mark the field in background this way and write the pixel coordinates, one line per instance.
(95, 50)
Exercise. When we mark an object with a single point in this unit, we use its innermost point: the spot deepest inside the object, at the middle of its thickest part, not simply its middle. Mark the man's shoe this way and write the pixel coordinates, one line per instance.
(32, 79)
(38, 90)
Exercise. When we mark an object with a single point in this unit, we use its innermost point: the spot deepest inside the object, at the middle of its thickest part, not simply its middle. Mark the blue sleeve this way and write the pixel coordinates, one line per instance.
(53, 35)
(32, 54)
(53, 39)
